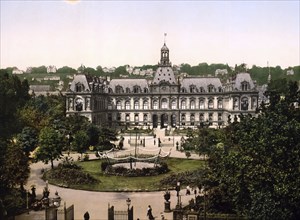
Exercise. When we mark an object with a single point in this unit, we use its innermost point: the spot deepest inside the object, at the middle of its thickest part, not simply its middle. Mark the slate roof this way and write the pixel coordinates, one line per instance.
(243, 77)
(128, 83)
(164, 74)
(201, 82)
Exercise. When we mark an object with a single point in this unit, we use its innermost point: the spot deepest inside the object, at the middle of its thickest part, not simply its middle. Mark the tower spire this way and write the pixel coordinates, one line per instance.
(165, 36)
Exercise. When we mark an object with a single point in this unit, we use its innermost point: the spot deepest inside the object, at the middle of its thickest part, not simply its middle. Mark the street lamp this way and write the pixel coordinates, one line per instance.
(128, 202)
(177, 188)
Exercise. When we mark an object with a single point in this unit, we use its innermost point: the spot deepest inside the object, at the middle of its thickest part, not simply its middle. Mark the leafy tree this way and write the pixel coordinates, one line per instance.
(51, 143)
(28, 140)
(93, 133)
(260, 176)
(106, 136)
(16, 163)
(80, 142)
(66, 70)
(13, 95)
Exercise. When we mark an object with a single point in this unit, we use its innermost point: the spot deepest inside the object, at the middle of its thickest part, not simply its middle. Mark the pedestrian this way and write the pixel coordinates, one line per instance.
(86, 216)
(149, 213)
(154, 142)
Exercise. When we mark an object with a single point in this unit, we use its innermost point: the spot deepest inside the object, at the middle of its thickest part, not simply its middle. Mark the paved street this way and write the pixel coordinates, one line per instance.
(96, 203)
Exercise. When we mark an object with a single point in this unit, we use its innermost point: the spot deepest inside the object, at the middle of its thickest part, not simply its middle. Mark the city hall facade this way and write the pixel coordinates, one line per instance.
(165, 101)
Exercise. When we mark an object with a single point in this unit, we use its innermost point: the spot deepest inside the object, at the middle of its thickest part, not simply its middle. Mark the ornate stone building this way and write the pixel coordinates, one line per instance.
(166, 101)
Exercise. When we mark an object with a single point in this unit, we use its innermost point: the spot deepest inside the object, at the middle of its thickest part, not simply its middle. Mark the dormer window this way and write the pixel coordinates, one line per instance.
(202, 89)
(210, 88)
(79, 87)
(192, 89)
(119, 89)
(136, 89)
(127, 90)
(245, 86)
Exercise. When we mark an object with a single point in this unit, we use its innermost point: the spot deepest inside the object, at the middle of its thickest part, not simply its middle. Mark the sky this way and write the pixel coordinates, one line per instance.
(116, 33)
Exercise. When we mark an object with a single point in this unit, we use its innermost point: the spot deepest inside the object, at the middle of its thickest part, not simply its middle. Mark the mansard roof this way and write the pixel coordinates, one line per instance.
(128, 83)
(243, 77)
(201, 82)
(164, 74)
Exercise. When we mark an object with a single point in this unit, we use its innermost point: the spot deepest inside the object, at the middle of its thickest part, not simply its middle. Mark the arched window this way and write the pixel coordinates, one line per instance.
(145, 90)
(192, 89)
(155, 104)
(210, 117)
(119, 89)
(136, 104)
(110, 90)
(211, 88)
(164, 103)
(210, 104)
(136, 119)
(192, 119)
(183, 104)
(136, 89)
(145, 105)
(201, 105)
(127, 117)
(79, 104)
(245, 86)
(119, 105)
(244, 103)
(174, 104)
(192, 104)
(183, 119)
(220, 103)
(79, 87)
(127, 105)
(127, 90)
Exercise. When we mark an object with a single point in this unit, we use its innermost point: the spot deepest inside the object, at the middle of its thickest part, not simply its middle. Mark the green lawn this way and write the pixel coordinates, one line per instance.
(118, 183)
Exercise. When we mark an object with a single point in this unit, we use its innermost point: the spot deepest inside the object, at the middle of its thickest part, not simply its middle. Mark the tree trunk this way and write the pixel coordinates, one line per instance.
(52, 164)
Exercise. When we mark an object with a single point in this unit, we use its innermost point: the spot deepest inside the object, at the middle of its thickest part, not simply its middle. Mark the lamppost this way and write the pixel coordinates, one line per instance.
(128, 202)
(177, 188)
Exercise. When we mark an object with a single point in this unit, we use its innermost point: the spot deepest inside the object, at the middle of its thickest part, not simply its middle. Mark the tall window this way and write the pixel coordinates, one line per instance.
(127, 105)
(244, 104)
(220, 103)
(109, 106)
(127, 117)
(136, 104)
(155, 104)
(210, 117)
(210, 88)
(192, 119)
(79, 87)
(119, 89)
(174, 104)
(164, 103)
(245, 86)
(210, 104)
(119, 105)
(201, 105)
(183, 104)
(145, 105)
(201, 117)
(136, 118)
(192, 104)
(136, 89)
